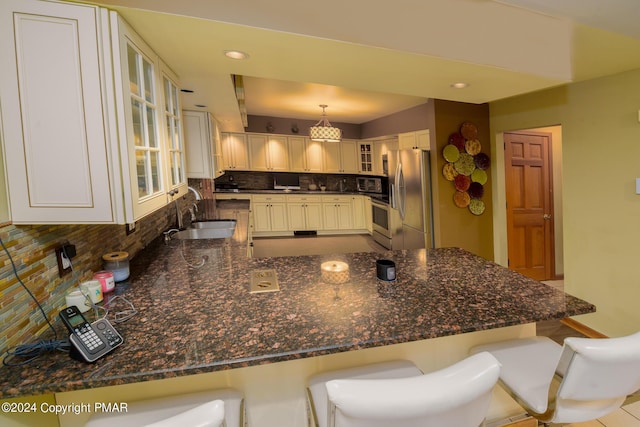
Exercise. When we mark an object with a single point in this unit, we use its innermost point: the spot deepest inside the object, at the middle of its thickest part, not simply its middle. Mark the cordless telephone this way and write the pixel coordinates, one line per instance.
(93, 340)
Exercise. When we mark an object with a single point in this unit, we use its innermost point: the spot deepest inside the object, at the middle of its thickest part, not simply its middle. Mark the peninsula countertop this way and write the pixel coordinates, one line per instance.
(196, 320)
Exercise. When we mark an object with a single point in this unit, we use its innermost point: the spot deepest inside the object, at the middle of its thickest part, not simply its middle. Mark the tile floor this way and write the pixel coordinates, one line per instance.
(627, 416)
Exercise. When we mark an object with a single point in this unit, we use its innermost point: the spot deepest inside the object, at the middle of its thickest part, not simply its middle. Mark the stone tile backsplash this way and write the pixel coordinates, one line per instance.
(32, 248)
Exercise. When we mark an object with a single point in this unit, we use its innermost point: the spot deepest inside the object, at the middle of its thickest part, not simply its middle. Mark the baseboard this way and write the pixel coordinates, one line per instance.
(583, 329)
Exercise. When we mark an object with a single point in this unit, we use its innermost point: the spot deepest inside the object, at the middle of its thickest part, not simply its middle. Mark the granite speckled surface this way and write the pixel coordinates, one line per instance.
(196, 320)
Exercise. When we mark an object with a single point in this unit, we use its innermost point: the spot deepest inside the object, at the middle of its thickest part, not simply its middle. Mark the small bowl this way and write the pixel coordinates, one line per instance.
(313, 187)
(323, 188)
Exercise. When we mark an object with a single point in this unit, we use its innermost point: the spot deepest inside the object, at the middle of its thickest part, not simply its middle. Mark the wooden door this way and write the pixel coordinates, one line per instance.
(529, 196)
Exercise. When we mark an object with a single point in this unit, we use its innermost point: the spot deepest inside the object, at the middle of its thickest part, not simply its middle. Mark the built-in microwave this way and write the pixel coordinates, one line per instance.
(369, 185)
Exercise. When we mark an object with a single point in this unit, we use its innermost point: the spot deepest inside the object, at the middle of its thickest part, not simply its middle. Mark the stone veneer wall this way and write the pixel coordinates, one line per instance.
(32, 248)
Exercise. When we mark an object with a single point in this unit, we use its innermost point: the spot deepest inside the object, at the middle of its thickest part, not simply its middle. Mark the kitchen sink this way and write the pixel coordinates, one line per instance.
(215, 229)
(215, 224)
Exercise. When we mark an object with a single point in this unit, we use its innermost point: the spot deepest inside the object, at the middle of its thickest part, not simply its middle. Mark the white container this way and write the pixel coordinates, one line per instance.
(92, 288)
(118, 264)
(78, 299)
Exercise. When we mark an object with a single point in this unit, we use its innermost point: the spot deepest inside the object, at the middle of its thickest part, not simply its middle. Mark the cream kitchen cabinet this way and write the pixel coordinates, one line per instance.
(52, 104)
(269, 214)
(359, 209)
(305, 155)
(380, 148)
(235, 151)
(268, 153)
(366, 160)
(95, 129)
(304, 212)
(414, 140)
(203, 145)
(338, 212)
(341, 157)
(149, 124)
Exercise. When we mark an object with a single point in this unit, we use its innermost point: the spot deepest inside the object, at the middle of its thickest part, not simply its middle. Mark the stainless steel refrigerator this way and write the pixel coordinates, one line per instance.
(410, 199)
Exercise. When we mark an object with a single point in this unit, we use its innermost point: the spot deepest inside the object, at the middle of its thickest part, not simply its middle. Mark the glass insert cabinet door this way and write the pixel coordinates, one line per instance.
(144, 109)
(173, 123)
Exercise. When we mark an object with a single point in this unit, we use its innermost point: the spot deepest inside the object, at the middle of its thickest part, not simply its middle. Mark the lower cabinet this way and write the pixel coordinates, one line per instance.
(338, 212)
(304, 213)
(282, 215)
(358, 204)
(269, 214)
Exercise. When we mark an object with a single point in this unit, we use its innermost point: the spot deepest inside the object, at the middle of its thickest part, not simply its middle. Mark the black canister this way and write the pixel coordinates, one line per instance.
(386, 270)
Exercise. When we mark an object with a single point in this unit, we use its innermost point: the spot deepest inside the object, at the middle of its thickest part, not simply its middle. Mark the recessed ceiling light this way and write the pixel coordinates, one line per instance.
(459, 85)
(235, 54)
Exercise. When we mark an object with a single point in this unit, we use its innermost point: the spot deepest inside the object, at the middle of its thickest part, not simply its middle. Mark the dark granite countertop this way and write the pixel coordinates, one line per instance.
(196, 320)
(377, 196)
(291, 192)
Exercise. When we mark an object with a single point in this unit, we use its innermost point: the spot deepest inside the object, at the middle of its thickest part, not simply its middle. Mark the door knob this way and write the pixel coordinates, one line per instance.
(546, 217)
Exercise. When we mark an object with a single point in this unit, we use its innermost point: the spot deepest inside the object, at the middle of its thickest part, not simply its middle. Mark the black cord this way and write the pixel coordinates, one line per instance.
(31, 351)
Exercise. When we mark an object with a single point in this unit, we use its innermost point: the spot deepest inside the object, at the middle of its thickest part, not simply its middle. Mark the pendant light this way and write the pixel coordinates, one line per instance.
(323, 131)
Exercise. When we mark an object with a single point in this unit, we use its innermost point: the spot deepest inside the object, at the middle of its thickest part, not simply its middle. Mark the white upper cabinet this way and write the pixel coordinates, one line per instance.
(268, 153)
(415, 140)
(92, 121)
(350, 156)
(380, 148)
(305, 155)
(52, 103)
(366, 164)
(235, 151)
(341, 157)
(150, 128)
(173, 127)
(202, 144)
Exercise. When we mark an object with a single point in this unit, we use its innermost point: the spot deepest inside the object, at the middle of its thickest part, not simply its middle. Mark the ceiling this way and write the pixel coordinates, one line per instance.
(367, 62)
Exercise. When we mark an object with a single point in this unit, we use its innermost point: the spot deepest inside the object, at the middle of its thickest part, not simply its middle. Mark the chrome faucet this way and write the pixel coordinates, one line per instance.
(196, 193)
(343, 183)
(192, 210)
(168, 234)
(175, 201)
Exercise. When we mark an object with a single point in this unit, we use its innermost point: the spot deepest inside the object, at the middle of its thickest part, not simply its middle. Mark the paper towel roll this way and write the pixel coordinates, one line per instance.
(335, 272)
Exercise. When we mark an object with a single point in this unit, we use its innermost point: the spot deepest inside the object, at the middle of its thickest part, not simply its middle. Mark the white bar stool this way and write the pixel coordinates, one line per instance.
(583, 380)
(398, 394)
(207, 408)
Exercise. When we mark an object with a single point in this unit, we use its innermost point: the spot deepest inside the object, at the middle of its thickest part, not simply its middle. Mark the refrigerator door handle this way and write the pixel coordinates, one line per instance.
(400, 190)
(392, 196)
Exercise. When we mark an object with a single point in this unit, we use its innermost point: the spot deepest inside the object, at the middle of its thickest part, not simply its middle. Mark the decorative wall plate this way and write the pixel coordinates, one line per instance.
(465, 164)
(482, 161)
(462, 182)
(461, 199)
(479, 176)
(449, 172)
(451, 153)
(472, 146)
(476, 190)
(476, 206)
(457, 139)
(469, 130)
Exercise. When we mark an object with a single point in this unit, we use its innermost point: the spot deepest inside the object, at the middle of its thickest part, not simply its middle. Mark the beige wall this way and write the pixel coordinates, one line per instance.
(601, 159)
(458, 226)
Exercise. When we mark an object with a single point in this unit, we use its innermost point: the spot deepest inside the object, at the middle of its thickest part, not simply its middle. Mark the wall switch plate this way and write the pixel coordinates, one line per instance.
(637, 185)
